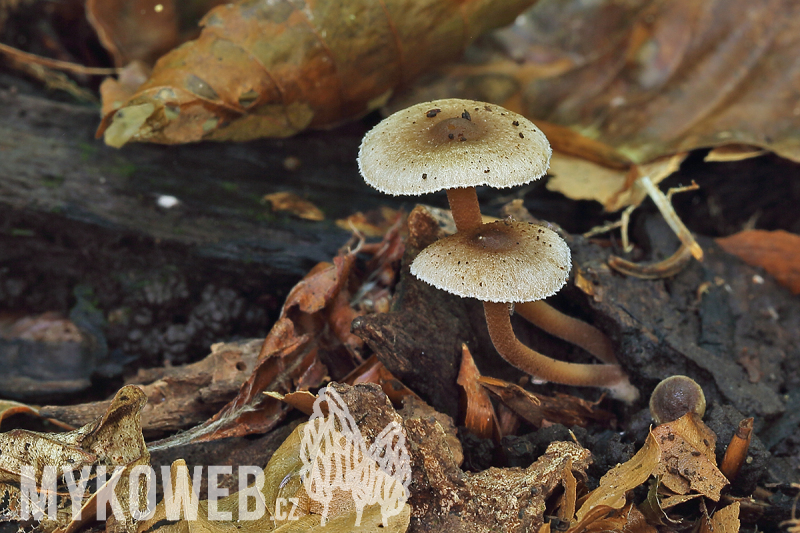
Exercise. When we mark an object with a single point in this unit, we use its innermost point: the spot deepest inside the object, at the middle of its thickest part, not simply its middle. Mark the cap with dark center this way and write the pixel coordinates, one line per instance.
(452, 143)
(676, 396)
(504, 261)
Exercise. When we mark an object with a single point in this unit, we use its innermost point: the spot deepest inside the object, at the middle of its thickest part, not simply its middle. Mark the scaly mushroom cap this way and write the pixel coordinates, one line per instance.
(503, 261)
(452, 143)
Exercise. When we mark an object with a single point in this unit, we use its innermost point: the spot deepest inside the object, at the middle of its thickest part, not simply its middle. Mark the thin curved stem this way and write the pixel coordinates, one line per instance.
(465, 207)
(540, 366)
(577, 332)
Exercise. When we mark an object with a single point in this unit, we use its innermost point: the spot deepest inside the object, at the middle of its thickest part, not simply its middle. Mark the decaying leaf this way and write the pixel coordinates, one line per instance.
(680, 453)
(182, 396)
(373, 371)
(315, 317)
(271, 69)
(687, 457)
(291, 203)
(113, 440)
(611, 494)
(777, 252)
(536, 408)
(373, 223)
(615, 86)
(726, 520)
(143, 30)
(479, 417)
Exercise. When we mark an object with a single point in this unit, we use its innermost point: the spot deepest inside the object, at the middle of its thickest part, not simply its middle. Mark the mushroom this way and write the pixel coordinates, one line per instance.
(506, 262)
(454, 145)
(674, 397)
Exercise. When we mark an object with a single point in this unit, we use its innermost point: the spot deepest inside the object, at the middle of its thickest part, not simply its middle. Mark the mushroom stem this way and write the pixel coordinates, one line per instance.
(465, 208)
(572, 330)
(540, 366)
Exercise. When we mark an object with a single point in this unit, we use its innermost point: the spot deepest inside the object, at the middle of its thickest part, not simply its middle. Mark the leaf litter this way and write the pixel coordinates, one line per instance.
(679, 454)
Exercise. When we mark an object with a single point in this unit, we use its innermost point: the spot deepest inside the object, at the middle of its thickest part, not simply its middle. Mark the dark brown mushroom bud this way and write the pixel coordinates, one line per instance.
(454, 149)
(676, 396)
(506, 262)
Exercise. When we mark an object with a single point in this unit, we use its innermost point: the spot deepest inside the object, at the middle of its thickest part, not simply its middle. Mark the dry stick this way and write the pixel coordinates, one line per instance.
(465, 208)
(540, 366)
(664, 205)
(25, 57)
(666, 268)
(570, 329)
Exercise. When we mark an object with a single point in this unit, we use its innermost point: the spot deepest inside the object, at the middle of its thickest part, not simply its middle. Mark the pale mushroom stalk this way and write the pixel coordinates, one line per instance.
(608, 376)
(570, 329)
(465, 208)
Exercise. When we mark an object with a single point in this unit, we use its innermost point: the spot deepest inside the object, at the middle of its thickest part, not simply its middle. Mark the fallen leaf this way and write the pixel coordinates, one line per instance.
(290, 202)
(373, 371)
(536, 408)
(272, 69)
(113, 440)
(373, 223)
(725, 520)
(614, 485)
(130, 30)
(179, 397)
(479, 415)
(777, 252)
(687, 459)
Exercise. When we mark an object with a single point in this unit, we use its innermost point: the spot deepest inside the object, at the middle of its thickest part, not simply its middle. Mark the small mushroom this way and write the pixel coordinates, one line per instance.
(676, 396)
(506, 262)
(454, 145)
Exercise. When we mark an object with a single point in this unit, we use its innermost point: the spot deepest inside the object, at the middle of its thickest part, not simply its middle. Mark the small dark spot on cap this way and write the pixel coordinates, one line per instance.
(521, 136)
(486, 171)
(516, 123)
(433, 112)
(424, 176)
(486, 107)
(466, 115)
(451, 136)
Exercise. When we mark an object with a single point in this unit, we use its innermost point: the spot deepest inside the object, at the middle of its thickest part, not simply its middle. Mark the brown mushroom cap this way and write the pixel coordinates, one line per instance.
(452, 143)
(504, 261)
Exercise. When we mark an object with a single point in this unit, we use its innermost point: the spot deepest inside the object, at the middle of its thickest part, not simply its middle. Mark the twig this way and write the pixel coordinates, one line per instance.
(25, 57)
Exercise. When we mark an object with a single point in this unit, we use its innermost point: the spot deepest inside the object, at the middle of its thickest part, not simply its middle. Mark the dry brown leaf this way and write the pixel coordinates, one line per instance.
(644, 79)
(112, 440)
(373, 223)
(274, 68)
(373, 371)
(290, 202)
(129, 30)
(777, 252)
(726, 520)
(687, 457)
(536, 408)
(611, 494)
(180, 396)
(581, 179)
(651, 78)
(313, 318)
(479, 415)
